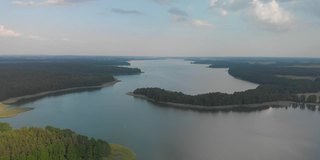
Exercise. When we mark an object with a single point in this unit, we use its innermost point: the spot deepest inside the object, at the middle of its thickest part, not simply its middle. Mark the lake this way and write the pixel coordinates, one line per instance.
(160, 133)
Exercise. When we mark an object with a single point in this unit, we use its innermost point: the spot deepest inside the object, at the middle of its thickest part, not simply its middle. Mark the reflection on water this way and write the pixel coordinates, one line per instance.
(158, 133)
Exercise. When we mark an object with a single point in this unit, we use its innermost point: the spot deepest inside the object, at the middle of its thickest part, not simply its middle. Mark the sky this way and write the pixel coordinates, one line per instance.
(265, 28)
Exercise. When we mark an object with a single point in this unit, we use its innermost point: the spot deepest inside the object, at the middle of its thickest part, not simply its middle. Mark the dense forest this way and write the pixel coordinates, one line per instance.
(291, 75)
(267, 75)
(220, 99)
(49, 144)
(21, 77)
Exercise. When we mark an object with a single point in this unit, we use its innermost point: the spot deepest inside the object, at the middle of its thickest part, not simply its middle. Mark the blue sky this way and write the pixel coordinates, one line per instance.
(160, 27)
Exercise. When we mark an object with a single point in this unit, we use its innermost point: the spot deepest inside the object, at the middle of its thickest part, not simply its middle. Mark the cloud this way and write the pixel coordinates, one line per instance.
(271, 15)
(224, 12)
(178, 12)
(263, 13)
(181, 16)
(46, 2)
(229, 5)
(5, 32)
(125, 12)
(201, 23)
(178, 15)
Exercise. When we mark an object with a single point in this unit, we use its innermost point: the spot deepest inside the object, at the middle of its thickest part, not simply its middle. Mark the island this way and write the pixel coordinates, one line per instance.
(52, 143)
(282, 83)
(28, 78)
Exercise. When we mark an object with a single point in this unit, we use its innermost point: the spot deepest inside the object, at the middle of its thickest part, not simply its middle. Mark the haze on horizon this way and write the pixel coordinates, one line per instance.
(160, 27)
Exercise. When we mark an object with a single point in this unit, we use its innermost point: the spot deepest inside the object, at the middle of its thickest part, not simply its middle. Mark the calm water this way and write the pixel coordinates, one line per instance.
(157, 133)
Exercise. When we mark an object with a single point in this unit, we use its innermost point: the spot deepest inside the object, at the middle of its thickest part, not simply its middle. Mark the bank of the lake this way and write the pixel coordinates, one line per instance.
(6, 110)
(47, 93)
(236, 107)
(119, 152)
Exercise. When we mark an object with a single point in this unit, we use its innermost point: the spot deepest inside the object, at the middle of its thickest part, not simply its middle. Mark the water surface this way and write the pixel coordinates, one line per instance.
(158, 133)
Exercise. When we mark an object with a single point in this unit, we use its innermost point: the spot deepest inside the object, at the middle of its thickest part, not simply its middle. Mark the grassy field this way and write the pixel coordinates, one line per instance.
(119, 152)
(6, 112)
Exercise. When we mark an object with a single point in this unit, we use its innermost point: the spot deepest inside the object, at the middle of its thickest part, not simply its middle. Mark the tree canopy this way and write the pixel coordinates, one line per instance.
(25, 78)
(49, 144)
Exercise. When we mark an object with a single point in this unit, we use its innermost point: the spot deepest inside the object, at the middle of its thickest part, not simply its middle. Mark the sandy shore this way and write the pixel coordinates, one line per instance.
(7, 111)
(243, 107)
(42, 94)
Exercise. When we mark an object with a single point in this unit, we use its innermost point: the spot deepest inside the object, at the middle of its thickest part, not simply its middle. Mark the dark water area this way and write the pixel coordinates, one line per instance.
(163, 133)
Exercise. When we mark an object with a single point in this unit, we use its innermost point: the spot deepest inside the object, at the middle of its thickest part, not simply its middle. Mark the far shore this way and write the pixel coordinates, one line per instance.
(237, 107)
(42, 94)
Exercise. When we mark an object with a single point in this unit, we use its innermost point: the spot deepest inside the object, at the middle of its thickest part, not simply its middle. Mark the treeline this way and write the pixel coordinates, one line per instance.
(263, 71)
(107, 60)
(24, 78)
(253, 96)
(266, 71)
(266, 76)
(284, 61)
(49, 144)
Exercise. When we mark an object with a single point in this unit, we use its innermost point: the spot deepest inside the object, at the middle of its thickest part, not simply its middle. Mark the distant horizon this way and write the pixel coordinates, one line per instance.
(204, 28)
(91, 55)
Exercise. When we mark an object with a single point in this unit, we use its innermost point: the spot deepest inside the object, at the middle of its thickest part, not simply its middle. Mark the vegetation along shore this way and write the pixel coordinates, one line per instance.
(31, 78)
(281, 82)
(53, 143)
(233, 107)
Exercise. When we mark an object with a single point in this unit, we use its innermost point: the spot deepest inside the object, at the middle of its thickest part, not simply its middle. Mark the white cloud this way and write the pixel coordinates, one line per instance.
(224, 12)
(264, 13)
(5, 32)
(270, 14)
(25, 3)
(201, 23)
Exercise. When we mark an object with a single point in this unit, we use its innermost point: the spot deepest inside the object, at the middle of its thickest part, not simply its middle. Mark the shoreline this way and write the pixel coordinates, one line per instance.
(120, 152)
(14, 100)
(8, 112)
(236, 107)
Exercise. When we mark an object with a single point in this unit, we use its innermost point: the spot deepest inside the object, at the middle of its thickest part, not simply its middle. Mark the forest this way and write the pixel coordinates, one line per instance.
(253, 96)
(274, 73)
(21, 77)
(49, 143)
